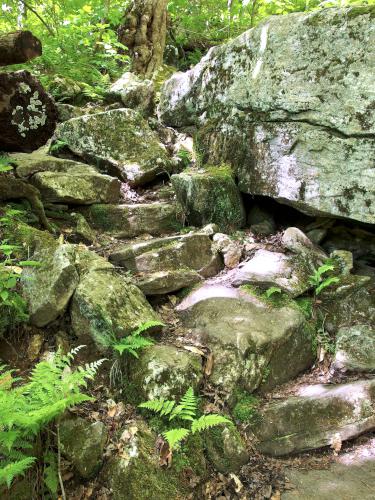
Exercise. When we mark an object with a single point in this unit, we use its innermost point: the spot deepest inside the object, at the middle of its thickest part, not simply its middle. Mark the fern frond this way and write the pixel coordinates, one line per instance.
(325, 283)
(175, 436)
(207, 421)
(132, 344)
(146, 326)
(160, 406)
(13, 469)
(187, 407)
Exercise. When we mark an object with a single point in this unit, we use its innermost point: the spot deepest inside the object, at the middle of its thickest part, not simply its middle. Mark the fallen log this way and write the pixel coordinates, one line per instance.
(27, 113)
(18, 47)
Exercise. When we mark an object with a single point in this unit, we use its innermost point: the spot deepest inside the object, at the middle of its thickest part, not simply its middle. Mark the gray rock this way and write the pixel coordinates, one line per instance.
(82, 443)
(106, 302)
(167, 264)
(294, 240)
(133, 92)
(210, 195)
(317, 418)
(49, 288)
(226, 449)
(345, 260)
(266, 269)
(164, 371)
(128, 221)
(294, 114)
(67, 111)
(120, 140)
(261, 221)
(355, 349)
(253, 343)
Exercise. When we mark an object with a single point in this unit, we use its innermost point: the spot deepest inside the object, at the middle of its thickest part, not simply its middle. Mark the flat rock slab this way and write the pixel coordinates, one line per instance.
(130, 220)
(164, 265)
(352, 478)
(120, 140)
(253, 343)
(317, 417)
(66, 181)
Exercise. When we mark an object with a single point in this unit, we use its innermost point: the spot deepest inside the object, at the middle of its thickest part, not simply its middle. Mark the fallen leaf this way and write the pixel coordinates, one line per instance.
(209, 364)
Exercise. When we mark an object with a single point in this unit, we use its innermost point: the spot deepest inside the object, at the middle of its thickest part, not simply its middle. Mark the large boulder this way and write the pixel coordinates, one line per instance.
(128, 221)
(107, 303)
(320, 416)
(163, 265)
(119, 140)
(163, 371)
(253, 343)
(210, 195)
(290, 104)
(49, 287)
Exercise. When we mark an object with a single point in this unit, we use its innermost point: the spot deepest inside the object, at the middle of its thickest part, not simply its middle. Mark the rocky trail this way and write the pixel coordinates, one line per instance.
(160, 224)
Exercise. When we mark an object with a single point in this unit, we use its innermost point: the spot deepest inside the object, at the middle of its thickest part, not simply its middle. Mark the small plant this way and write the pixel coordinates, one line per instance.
(28, 407)
(319, 281)
(4, 164)
(272, 291)
(305, 305)
(245, 410)
(185, 410)
(58, 146)
(185, 158)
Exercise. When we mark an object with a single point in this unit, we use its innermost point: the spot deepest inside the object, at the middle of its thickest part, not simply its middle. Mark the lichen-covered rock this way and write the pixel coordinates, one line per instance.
(253, 343)
(106, 302)
(127, 221)
(67, 111)
(319, 416)
(119, 140)
(167, 264)
(290, 104)
(210, 195)
(226, 449)
(133, 92)
(135, 473)
(349, 302)
(355, 348)
(164, 371)
(82, 443)
(49, 287)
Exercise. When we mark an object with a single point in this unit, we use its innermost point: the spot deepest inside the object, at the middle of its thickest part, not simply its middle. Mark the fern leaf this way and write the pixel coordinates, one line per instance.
(208, 421)
(13, 469)
(160, 406)
(325, 283)
(187, 407)
(146, 326)
(175, 436)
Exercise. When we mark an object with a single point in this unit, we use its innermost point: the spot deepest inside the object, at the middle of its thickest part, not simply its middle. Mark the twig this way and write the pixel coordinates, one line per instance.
(59, 461)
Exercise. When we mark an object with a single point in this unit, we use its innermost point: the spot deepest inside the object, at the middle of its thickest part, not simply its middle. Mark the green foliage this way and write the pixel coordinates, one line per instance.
(4, 164)
(318, 279)
(132, 343)
(272, 291)
(305, 305)
(26, 407)
(185, 410)
(245, 410)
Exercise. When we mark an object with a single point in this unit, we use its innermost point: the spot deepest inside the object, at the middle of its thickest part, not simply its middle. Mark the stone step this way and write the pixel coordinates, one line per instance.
(164, 265)
(319, 415)
(131, 220)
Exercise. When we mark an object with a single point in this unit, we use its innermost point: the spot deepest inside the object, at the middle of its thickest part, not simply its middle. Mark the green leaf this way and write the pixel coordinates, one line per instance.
(208, 421)
(175, 436)
(326, 283)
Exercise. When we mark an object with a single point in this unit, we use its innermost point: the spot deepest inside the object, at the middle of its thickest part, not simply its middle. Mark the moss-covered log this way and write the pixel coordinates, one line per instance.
(27, 113)
(18, 47)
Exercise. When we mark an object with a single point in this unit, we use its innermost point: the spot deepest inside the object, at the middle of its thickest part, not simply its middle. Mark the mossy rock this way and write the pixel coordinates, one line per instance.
(210, 195)
(226, 449)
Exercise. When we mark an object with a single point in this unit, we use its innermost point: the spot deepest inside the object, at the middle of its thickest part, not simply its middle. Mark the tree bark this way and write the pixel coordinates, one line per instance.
(143, 32)
(27, 113)
(18, 47)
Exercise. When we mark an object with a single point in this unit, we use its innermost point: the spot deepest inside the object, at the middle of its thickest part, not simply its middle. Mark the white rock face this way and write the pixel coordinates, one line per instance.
(291, 105)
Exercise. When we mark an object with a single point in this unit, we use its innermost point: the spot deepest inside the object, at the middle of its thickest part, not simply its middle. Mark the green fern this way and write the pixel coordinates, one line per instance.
(207, 421)
(27, 407)
(186, 409)
(317, 279)
(175, 436)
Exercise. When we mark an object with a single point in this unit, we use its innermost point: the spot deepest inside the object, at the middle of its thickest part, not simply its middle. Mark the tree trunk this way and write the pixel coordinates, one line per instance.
(18, 47)
(27, 113)
(144, 32)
